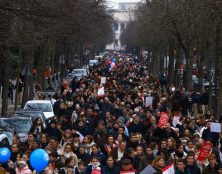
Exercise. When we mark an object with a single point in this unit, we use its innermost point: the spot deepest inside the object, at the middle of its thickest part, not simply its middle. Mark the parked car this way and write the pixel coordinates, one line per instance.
(6, 136)
(33, 115)
(21, 125)
(40, 105)
(78, 73)
(93, 62)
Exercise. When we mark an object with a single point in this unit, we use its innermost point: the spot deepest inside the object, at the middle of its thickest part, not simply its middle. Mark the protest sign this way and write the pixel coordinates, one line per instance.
(101, 91)
(215, 127)
(103, 80)
(176, 120)
(205, 151)
(168, 169)
(149, 101)
(164, 118)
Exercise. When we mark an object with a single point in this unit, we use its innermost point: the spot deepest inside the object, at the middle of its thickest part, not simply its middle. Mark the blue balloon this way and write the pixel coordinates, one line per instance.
(114, 60)
(5, 154)
(39, 159)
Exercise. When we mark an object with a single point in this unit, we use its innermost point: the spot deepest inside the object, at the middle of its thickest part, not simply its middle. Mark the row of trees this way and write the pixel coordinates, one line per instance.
(182, 30)
(43, 33)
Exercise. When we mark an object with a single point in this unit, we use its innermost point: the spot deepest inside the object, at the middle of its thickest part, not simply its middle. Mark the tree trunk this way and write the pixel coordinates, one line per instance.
(218, 73)
(171, 64)
(6, 55)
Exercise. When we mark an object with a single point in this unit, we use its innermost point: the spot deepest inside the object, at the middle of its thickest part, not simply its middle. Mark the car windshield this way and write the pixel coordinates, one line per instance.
(20, 125)
(78, 72)
(46, 107)
(33, 116)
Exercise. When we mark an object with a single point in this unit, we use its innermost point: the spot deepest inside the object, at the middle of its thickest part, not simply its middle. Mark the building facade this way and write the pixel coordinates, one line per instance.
(122, 15)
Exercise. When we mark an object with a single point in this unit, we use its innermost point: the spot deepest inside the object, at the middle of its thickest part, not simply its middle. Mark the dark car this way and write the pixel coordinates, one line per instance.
(33, 115)
(21, 125)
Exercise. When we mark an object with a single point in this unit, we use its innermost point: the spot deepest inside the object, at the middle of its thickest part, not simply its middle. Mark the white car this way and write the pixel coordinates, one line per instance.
(78, 73)
(40, 105)
(93, 62)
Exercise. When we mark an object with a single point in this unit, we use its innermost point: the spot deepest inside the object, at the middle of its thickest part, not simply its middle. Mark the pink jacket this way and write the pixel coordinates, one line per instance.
(25, 170)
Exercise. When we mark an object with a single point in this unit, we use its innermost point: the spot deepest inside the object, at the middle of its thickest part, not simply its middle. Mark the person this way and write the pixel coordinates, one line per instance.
(127, 167)
(181, 167)
(147, 158)
(212, 167)
(94, 167)
(22, 166)
(37, 127)
(52, 130)
(191, 164)
(70, 167)
(67, 153)
(10, 91)
(110, 168)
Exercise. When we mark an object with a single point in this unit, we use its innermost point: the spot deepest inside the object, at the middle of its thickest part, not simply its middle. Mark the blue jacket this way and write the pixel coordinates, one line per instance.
(108, 170)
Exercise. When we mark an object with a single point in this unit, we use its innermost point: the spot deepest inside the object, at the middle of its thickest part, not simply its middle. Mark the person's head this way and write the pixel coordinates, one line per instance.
(95, 161)
(153, 120)
(179, 148)
(158, 162)
(53, 142)
(190, 144)
(190, 158)
(70, 162)
(122, 146)
(181, 164)
(121, 130)
(101, 124)
(207, 123)
(149, 150)
(81, 166)
(126, 165)
(68, 148)
(212, 159)
(133, 137)
(37, 121)
(110, 139)
(16, 140)
(163, 144)
(30, 137)
(130, 152)
(95, 149)
(110, 161)
(53, 156)
(119, 137)
(43, 138)
(139, 150)
(136, 118)
(35, 144)
(14, 147)
(81, 149)
(171, 143)
(52, 124)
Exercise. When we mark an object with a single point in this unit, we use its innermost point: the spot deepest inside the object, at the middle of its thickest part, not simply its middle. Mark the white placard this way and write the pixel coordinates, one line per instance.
(101, 91)
(103, 80)
(149, 101)
(176, 120)
(215, 127)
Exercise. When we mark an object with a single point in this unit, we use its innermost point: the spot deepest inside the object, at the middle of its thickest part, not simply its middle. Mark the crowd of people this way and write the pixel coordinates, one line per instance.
(119, 131)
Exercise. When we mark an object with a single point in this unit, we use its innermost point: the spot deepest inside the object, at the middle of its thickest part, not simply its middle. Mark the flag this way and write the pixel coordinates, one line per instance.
(169, 169)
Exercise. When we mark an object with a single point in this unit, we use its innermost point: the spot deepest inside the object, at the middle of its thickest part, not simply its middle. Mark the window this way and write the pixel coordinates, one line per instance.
(122, 26)
(116, 42)
(116, 27)
(123, 7)
(4, 143)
